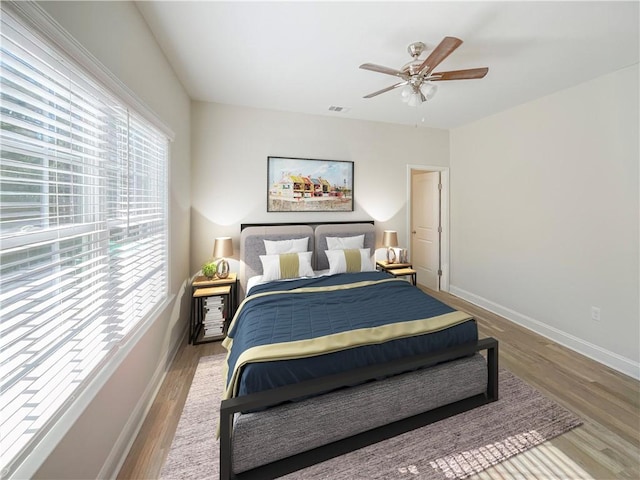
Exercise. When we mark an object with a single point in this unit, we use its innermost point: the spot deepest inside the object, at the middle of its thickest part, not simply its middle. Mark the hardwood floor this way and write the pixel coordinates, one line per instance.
(152, 444)
(606, 446)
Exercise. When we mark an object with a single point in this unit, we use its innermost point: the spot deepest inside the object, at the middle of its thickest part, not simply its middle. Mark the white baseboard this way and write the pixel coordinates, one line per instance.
(599, 354)
(120, 450)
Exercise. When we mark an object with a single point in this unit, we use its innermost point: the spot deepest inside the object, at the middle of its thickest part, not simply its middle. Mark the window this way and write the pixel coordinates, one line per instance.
(83, 231)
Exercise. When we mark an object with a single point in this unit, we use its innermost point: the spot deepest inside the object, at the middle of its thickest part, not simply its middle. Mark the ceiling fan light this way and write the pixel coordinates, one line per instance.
(428, 90)
(406, 93)
(414, 100)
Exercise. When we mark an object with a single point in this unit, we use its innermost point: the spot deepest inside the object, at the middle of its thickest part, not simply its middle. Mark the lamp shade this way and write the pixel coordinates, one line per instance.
(414, 100)
(390, 238)
(429, 90)
(222, 247)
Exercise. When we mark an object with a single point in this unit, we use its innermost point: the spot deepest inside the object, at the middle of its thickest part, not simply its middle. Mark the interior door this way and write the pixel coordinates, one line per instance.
(425, 227)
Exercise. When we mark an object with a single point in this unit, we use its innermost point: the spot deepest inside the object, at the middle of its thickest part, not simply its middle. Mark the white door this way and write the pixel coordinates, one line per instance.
(425, 227)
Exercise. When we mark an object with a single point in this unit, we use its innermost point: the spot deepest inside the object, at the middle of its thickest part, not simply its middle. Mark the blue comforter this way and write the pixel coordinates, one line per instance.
(291, 317)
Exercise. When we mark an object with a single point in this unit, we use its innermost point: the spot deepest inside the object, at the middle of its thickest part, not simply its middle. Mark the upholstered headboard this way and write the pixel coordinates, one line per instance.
(341, 230)
(252, 246)
(252, 243)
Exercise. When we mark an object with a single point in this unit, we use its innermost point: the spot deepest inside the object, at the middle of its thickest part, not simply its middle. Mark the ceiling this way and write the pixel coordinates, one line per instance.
(304, 56)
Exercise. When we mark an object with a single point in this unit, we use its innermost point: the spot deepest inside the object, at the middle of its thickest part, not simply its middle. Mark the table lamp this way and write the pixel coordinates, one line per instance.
(390, 240)
(222, 247)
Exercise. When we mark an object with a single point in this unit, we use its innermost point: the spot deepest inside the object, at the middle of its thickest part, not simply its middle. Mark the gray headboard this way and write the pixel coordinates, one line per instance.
(252, 244)
(341, 230)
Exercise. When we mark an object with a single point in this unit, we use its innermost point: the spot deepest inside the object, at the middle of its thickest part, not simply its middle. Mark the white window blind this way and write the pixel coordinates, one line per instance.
(83, 232)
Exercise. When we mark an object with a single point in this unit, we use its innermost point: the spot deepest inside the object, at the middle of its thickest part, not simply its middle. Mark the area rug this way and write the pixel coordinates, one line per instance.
(454, 448)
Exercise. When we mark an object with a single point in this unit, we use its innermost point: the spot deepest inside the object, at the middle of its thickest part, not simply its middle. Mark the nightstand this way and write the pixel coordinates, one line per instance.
(398, 269)
(387, 267)
(404, 272)
(213, 304)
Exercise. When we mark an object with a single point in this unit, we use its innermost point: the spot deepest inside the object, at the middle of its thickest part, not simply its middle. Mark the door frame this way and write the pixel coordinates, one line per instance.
(444, 216)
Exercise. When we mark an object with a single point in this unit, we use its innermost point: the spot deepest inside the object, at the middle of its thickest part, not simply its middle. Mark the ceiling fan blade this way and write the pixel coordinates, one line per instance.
(381, 69)
(401, 84)
(469, 73)
(442, 51)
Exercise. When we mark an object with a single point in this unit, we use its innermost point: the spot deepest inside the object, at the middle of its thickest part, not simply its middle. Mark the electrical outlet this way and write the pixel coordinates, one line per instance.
(595, 314)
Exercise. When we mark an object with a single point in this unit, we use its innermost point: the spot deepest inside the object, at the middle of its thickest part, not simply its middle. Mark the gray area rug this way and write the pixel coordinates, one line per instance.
(454, 448)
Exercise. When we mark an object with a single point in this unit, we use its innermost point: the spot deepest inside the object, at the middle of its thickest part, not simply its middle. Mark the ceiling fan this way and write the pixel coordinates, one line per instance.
(417, 75)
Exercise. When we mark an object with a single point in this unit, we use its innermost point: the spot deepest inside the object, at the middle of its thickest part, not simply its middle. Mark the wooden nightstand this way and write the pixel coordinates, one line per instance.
(213, 304)
(404, 272)
(398, 269)
(387, 267)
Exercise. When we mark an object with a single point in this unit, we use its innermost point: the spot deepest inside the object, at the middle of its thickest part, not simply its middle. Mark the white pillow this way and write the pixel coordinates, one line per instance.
(271, 267)
(295, 245)
(342, 243)
(338, 261)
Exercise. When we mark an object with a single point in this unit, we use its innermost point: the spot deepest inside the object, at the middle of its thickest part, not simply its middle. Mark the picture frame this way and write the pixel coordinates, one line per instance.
(309, 185)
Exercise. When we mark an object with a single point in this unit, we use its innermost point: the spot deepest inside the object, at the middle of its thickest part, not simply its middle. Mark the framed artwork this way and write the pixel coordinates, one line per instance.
(309, 185)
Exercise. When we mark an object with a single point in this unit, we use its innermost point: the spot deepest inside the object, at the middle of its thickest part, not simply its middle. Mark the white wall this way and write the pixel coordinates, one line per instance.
(116, 34)
(230, 146)
(545, 213)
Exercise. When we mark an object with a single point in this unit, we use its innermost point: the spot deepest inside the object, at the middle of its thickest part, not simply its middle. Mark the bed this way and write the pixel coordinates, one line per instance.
(328, 356)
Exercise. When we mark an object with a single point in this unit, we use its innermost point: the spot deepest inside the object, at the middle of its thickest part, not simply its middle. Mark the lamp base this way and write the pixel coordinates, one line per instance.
(391, 255)
(222, 270)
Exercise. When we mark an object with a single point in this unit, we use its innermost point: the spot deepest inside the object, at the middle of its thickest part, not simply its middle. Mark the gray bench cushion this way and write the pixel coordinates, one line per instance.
(263, 437)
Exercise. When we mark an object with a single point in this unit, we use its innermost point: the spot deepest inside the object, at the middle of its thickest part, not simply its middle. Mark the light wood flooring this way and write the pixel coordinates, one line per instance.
(606, 446)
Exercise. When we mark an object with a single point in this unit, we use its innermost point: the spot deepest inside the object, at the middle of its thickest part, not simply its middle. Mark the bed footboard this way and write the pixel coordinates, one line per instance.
(301, 460)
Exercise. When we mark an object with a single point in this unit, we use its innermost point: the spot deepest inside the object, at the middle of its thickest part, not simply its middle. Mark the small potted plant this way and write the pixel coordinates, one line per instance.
(209, 269)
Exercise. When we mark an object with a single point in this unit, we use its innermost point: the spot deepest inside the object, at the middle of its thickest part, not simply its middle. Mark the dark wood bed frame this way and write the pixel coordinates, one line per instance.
(279, 395)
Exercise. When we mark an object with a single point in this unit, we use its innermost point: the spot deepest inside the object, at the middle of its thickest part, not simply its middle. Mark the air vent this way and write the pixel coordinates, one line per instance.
(334, 108)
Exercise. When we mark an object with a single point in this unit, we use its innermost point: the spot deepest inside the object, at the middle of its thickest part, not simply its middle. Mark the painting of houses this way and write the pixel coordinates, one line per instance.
(308, 185)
